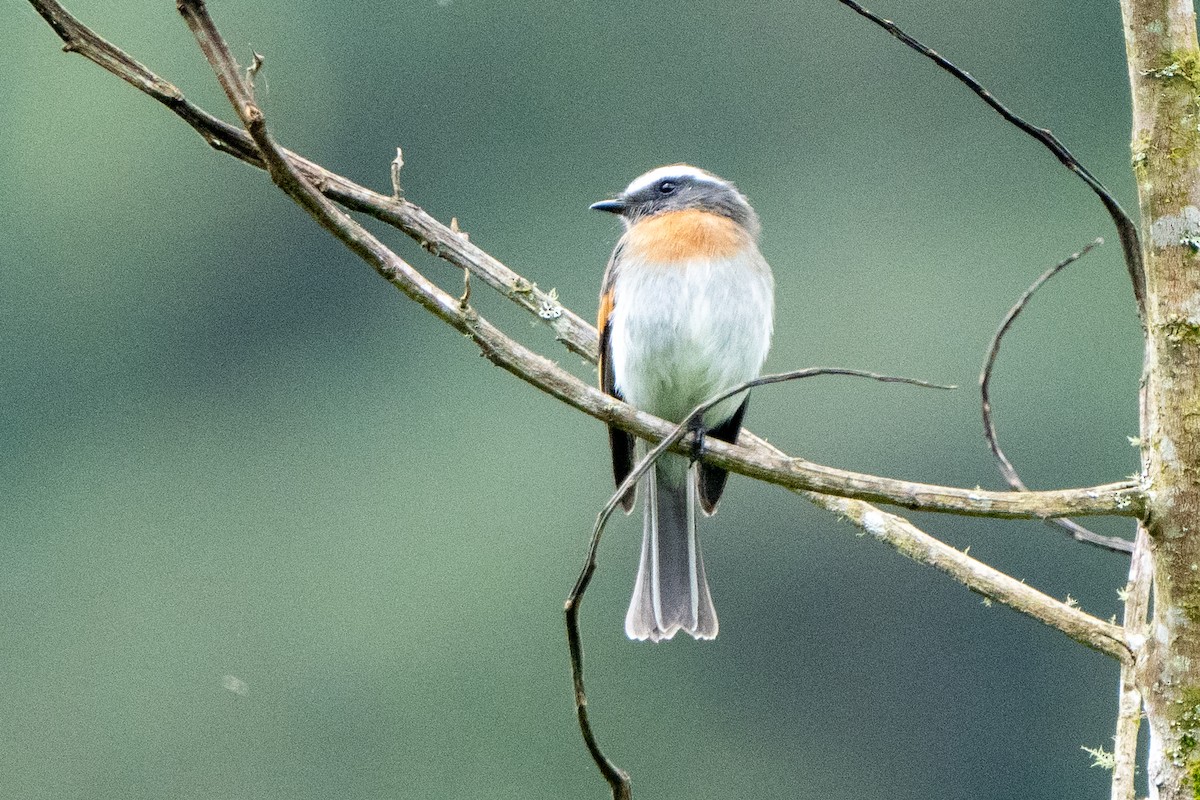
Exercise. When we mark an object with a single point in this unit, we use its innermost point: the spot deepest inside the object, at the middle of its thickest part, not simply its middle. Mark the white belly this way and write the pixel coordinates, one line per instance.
(684, 332)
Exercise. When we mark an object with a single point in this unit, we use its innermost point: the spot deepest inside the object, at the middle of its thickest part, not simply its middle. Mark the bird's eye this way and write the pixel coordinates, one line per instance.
(666, 187)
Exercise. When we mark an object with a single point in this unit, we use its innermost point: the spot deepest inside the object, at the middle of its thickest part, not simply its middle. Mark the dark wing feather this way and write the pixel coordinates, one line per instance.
(712, 479)
(621, 443)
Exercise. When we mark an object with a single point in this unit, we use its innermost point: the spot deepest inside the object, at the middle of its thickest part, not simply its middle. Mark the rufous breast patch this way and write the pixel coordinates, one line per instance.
(685, 235)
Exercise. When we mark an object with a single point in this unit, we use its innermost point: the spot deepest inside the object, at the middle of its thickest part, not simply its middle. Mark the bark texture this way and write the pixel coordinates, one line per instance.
(1164, 72)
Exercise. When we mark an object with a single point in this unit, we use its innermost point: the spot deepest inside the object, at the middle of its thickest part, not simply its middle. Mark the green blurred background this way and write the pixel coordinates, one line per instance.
(268, 530)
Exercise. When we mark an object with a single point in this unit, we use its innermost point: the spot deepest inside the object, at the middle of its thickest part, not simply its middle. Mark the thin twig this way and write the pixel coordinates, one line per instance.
(894, 530)
(989, 363)
(1081, 534)
(1123, 499)
(331, 218)
(914, 543)
(1129, 704)
(1126, 229)
(569, 328)
(752, 458)
(356, 238)
(306, 181)
(618, 779)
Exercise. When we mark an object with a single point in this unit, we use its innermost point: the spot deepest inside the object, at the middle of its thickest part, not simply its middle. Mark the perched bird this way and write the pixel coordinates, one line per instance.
(686, 311)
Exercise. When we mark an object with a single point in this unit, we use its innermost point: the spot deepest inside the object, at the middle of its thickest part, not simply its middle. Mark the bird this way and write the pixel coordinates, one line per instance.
(687, 308)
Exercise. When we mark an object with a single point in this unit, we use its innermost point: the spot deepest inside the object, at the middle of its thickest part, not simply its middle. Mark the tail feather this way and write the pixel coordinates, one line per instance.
(671, 591)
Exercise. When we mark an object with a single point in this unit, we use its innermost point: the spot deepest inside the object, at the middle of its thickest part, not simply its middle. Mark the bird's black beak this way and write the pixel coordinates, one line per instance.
(611, 206)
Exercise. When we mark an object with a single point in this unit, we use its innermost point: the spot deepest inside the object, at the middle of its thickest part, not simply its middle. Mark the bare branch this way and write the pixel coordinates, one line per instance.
(310, 186)
(985, 376)
(1162, 56)
(1129, 704)
(1121, 499)
(923, 548)
(1077, 531)
(78, 38)
(1126, 229)
(900, 534)
(892, 530)
(617, 778)
(569, 328)
(887, 527)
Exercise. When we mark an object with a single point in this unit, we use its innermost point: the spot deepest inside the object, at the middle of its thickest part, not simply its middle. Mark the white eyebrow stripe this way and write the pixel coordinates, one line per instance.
(672, 171)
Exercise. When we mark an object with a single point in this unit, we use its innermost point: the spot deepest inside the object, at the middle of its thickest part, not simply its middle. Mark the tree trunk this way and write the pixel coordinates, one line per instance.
(1164, 74)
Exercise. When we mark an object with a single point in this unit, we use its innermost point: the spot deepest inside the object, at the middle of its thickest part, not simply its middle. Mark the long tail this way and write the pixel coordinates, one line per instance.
(671, 592)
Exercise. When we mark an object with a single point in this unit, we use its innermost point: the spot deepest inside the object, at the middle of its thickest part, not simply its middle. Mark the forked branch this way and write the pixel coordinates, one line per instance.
(843, 492)
(889, 528)
(1122, 499)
